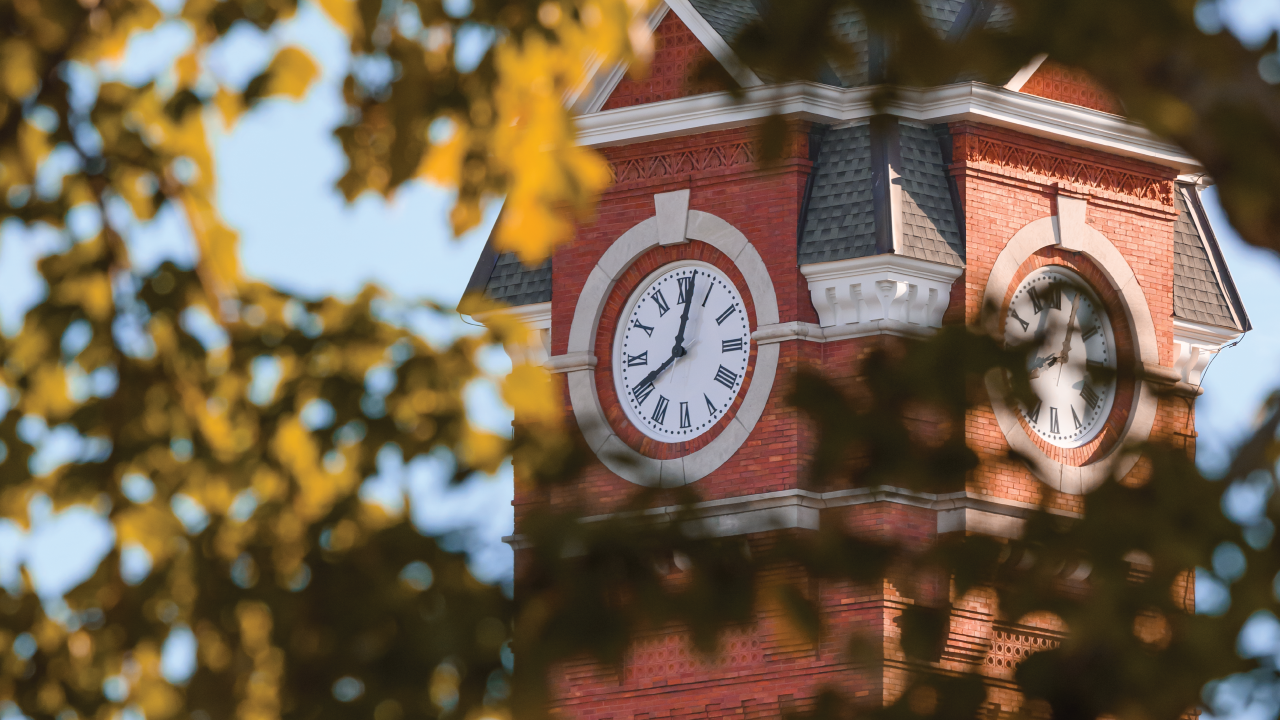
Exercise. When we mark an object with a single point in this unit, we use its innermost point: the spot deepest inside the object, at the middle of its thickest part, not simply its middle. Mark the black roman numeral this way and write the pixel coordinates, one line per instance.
(726, 377)
(1053, 420)
(1014, 314)
(1034, 415)
(684, 415)
(711, 407)
(725, 315)
(733, 345)
(1075, 418)
(648, 330)
(686, 289)
(708, 295)
(1090, 396)
(1036, 303)
(1090, 332)
(660, 412)
(641, 359)
(642, 392)
(1052, 298)
(663, 307)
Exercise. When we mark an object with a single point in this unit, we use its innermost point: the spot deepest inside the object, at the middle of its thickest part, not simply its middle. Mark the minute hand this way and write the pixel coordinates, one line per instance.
(678, 350)
(1071, 330)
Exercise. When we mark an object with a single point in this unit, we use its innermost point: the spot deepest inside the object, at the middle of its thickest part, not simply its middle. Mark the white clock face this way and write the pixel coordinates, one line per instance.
(1073, 359)
(680, 353)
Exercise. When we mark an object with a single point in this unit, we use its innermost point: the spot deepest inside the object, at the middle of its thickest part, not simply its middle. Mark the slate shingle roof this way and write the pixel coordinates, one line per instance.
(930, 230)
(501, 276)
(1199, 293)
(728, 17)
(840, 219)
(840, 222)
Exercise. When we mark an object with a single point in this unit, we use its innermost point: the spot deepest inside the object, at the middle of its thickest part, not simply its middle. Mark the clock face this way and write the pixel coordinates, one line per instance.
(680, 353)
(1072, 361)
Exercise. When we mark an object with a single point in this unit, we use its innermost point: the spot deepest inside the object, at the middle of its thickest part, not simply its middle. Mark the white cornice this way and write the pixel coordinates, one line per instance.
(801, 509)
(827, 104)
(879, 293)
(536, 317)
(1195, 344)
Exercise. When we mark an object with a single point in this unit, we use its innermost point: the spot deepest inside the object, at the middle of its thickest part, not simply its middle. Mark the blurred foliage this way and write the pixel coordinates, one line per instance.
(225, 428)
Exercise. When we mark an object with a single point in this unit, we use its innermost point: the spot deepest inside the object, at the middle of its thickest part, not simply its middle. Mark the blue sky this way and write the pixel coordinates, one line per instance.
(277, 168)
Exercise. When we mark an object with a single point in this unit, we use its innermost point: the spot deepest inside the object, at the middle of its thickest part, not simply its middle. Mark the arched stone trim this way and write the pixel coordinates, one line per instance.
(1069, 231)
(579, 364)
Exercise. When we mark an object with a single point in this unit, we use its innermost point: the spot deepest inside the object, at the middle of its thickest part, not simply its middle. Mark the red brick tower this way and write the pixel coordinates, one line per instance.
(674, 320)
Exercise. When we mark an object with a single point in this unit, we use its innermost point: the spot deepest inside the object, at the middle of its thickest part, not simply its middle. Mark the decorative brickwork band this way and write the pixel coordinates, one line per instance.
(1010, 646)
(1050, 167)
(685, 162)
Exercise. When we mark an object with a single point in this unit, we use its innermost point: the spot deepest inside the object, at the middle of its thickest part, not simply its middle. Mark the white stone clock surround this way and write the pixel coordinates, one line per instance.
(1069, 231)
(673, 223)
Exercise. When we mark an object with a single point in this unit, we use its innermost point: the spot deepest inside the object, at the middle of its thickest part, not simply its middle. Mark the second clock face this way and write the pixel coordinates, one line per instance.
(680, 353)
(1072, 362)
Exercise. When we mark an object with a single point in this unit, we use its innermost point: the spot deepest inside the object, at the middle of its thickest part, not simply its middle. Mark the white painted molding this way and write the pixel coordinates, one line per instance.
(536, 317)
(892, 294)
(716, 45)
(1195, 345)
(1084, 238)
(802, 509)
(987, 104)
(1015, 84)
(645, 235)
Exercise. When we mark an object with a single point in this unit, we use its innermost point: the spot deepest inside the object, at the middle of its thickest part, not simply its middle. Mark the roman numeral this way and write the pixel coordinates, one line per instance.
(686, 289)
(1053, 420)
(660, 412)
(1090, 396)
(1051, 298)
(684, 415)
(1014, 314)
(733, 345)
(663, 307)
(1090, 332)
(1074, 418)
(1034, 415)
(726, 377)
(711, 407)
(725, 315)
(648, 330)
(708, 295)
(642, 392)
(1036, 303)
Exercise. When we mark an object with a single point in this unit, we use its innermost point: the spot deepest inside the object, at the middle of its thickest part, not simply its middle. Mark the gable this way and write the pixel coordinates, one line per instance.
(677, 56)
(1058, 82)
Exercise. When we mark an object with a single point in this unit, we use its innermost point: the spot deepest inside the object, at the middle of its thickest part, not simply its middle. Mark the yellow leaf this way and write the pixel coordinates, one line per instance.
(19, 75)
(482, 450)
(48, 394)
(342, 13)
(442, 163)
(187, 68)
(230, 105)
(291, 73)
(531, 394)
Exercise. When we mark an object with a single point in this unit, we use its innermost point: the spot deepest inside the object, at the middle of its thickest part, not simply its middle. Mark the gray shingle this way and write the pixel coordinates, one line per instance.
(1001, 18)
(1197, 294)
(851, 28)
(929, 227)
(726, 17)
(839, 222)
(514, 284)
(940, 14)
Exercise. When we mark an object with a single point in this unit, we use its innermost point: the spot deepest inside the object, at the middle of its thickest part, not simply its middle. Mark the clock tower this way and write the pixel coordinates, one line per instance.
(674, 321)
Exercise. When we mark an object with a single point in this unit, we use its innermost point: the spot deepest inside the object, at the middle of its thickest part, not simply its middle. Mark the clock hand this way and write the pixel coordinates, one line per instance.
(1071, 331)
(648, 379)
(678, 350)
